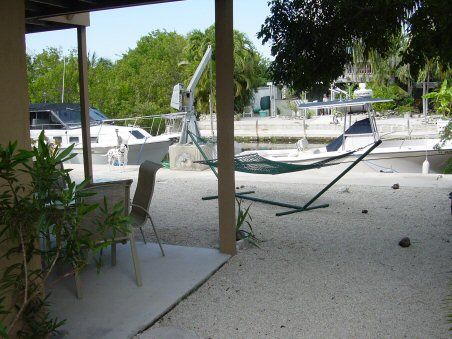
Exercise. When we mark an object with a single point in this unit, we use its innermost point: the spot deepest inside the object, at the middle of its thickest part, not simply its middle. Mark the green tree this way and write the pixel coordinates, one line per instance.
(141, 81)
(144, 77)
(391, 68)
(45, 76)
(100, 83)
(250, 69)
(442, 98)
(311, 40)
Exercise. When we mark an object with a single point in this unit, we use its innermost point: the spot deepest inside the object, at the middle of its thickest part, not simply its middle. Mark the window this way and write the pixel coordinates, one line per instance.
(44, 120)
(57, 140)
(137, 134)
(73, 140)
(94, 140)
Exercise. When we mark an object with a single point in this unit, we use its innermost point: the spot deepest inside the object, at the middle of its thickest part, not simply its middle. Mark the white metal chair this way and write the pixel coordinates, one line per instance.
(114, 192)
(141, 202)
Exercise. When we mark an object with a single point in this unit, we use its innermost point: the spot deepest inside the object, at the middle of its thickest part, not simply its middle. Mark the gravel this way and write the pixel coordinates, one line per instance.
(331, 272)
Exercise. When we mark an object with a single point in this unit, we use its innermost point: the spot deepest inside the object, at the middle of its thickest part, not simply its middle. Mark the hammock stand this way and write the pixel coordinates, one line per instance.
(253, 163)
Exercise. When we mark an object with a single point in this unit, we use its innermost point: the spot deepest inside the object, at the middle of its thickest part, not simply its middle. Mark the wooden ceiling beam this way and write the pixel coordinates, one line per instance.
(55, 3)
(37, 9)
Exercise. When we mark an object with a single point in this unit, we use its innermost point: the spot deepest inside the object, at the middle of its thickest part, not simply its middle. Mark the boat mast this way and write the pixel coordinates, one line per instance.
(62, 88)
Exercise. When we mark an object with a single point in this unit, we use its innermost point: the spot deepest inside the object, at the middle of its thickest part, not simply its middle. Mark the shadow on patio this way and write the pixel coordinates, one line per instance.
(113, 306)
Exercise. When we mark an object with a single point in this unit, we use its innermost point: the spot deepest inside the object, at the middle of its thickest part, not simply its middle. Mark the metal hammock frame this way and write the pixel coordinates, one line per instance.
(255, 164)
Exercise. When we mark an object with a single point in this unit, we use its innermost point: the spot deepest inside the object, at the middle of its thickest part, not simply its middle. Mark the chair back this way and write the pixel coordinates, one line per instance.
(60, 183)
(114, 192)
(144, 190)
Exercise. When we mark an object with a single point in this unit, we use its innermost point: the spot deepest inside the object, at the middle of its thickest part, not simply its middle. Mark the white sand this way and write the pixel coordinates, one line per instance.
(333, 272)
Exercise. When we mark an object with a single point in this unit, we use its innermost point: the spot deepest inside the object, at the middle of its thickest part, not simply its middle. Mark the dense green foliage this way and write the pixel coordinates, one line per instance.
(402, 101)
(142, 80)
(144, 77)
(250, 69)
(39, 201)
(45, 76)
(312, 40)
(442, 98)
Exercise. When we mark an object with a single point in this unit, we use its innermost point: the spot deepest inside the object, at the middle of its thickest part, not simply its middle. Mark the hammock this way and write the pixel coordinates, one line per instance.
(255, 164)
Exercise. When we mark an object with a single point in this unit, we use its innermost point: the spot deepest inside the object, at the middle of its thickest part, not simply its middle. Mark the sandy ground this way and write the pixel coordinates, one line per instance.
(333, 272)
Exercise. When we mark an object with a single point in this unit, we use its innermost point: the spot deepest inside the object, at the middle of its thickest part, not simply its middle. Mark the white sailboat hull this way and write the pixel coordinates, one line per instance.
(154, 151)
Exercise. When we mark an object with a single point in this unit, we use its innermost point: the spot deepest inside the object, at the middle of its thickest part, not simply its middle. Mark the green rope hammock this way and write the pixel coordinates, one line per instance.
(255, 164)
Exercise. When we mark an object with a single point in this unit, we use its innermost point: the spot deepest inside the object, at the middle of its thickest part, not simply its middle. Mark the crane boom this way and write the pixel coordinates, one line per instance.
(183, 98)
(200, 69)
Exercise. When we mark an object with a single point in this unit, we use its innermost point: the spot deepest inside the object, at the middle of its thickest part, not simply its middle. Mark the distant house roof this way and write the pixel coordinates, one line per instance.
(36, 10)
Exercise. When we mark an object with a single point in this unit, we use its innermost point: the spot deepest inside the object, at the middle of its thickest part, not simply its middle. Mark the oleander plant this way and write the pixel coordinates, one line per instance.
(41, 210)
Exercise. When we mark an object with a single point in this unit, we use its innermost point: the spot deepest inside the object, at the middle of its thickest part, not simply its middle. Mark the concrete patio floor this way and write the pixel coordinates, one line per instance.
(113, 306)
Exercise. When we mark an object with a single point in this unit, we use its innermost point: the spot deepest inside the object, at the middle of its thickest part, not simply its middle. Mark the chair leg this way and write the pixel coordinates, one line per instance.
(136, 262)
(156, 235)
(142, 234)
(113, 254)
(78, 285)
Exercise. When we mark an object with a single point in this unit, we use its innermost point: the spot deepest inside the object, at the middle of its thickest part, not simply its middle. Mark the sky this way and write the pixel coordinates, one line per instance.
(114, 32)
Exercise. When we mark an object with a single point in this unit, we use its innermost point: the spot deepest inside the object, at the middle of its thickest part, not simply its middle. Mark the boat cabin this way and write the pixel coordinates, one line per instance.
(60, 116)
(362, 132)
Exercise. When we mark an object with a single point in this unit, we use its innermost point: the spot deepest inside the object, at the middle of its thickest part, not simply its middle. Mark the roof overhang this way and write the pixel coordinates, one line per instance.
(49, 15)
(57, 22)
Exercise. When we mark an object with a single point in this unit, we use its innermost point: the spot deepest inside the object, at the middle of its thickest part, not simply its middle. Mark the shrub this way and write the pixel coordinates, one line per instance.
(442, 98)
(40, 202)
(398, 95)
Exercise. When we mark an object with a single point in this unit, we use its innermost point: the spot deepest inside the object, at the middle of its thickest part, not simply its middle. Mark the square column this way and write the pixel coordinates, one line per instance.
(84, 101)
(225, 123)
(14, 114)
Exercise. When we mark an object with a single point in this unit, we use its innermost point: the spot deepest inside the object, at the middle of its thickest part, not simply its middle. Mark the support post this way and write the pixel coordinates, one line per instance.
(15, 119)
(225, 124)
(14, 101)
(84, 101)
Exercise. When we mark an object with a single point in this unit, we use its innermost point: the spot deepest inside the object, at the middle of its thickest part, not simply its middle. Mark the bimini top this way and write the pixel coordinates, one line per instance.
(339, 103)
(68, 114)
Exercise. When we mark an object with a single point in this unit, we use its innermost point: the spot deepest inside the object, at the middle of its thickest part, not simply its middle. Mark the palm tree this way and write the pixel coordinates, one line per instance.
(249, 68)
(390, 69)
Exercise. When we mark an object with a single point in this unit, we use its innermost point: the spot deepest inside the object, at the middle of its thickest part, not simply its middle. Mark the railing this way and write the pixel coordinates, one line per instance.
(170, 123)
(355, 73)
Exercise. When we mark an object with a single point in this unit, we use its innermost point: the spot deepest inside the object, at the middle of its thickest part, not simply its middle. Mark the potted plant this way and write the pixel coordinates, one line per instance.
(40, 212)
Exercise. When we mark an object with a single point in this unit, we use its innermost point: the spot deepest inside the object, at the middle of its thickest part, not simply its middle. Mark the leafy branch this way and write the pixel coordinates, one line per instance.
(40, 204)
(243, 228)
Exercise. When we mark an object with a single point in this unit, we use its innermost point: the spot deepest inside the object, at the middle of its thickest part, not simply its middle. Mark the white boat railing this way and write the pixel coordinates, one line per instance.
(172, 123)
(159, 124)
